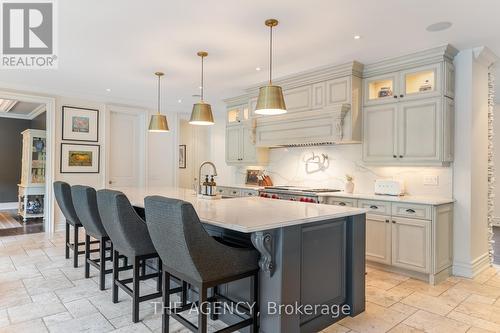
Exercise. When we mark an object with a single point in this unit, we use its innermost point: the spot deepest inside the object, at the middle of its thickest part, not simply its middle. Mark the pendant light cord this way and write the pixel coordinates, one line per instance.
(271, 56)
(159, 82)
(202, 78)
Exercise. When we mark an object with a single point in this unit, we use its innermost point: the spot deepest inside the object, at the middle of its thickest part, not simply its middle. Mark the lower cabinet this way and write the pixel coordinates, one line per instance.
(411, 244)
(378, 238)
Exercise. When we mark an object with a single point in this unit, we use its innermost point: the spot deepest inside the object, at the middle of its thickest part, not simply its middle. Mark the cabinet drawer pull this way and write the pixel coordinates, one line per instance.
(249, 193)
(373, 207)
(341, 203)
(409, 210)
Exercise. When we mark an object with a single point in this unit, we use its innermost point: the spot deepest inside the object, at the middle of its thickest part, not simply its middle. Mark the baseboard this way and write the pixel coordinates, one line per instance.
(8, 206)
(472, 269)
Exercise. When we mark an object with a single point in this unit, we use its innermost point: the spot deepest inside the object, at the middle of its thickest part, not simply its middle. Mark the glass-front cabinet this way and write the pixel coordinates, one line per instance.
(237, 114)
(33, 170)
(419, 82)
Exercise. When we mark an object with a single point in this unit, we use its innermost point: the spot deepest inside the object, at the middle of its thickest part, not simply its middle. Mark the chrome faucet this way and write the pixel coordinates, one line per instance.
(199, 173)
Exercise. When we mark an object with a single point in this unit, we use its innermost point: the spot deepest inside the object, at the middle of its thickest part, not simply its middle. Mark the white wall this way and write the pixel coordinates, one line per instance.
(470, 187)
(496, 160)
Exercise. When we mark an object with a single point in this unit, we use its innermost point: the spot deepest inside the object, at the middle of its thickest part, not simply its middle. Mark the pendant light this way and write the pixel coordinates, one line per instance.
(202, 112)
(270, 101)
(158, 122)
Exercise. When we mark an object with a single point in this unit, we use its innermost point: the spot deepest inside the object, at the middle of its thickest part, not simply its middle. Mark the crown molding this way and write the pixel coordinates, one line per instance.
(312, 76)
(416, 59)
(484, 56)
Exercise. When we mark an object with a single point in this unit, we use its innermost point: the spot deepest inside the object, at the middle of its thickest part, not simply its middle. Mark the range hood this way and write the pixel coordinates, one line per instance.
(327, 126)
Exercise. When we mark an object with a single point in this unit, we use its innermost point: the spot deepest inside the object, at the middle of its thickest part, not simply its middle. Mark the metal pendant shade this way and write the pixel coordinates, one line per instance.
(202, 111)
(158, 122)
(271, 100)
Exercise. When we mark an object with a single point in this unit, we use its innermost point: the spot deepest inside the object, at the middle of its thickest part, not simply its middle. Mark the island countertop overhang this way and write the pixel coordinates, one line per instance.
(245, 214)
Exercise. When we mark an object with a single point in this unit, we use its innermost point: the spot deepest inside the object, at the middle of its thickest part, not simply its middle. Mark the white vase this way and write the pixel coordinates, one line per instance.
(349, 187)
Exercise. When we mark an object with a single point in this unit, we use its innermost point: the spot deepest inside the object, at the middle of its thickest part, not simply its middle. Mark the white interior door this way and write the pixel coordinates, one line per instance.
(126, 149)
(197, 142)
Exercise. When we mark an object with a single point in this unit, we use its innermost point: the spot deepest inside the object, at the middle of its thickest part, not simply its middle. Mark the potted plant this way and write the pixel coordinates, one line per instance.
(349, 184)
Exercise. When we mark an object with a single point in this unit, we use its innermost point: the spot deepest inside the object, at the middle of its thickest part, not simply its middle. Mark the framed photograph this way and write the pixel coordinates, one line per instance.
(182, 156)
(252, 177)
(80, 124)
(80, 158)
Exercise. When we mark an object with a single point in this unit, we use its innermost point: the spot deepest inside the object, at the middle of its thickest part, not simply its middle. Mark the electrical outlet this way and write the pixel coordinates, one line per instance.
(431, 180)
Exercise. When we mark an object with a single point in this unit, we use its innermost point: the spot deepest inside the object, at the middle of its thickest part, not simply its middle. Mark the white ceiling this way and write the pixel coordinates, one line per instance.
(119, 44)
(24, 108)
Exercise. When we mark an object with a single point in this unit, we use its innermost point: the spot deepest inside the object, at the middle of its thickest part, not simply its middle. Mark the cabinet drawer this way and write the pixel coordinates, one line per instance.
(233, 192)
(412, 210)
(375, 207)
(341, 201)
(249, 193)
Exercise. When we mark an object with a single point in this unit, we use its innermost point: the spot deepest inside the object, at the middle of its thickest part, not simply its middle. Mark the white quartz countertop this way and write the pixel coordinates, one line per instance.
(425, 200)
(247, 214)
(242, 186)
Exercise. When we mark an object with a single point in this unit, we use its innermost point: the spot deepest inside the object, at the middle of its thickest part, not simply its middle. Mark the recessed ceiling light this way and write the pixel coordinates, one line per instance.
(439, 26)
(257, 69)
(357, 37)
(179, 101)
(108, 90)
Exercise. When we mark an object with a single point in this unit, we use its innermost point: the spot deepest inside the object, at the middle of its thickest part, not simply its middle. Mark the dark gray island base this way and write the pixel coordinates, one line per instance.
(319, 263)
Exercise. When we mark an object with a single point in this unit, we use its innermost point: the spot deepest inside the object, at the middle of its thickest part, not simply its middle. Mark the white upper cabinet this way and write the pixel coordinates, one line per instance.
(408, 109)
(380, 133)
(240, 146)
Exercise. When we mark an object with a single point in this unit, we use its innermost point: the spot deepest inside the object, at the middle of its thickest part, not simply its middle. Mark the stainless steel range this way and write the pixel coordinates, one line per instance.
(294, 193)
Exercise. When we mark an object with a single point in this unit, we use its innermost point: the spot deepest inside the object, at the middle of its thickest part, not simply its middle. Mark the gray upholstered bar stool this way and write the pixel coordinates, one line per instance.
(130, 237)
(62, 192)
(85, 203)
(191, 254)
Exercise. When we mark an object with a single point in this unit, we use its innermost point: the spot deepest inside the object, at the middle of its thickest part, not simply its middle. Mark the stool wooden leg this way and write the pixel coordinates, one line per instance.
(135, 290)
(102, 264)
(115, 276)
(75, 247)
(165, 316)
(202, 317)
(143, 268)
(87, 256)
(67, 240)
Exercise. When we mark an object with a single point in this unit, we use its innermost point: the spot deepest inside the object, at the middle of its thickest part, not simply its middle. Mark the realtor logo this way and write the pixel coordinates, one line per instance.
(28, 34)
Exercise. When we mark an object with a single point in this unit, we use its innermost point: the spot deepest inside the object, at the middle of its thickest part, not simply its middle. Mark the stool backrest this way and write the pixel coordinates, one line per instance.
(62, 192)
(125, 228)
(179, 237)
(85, 203)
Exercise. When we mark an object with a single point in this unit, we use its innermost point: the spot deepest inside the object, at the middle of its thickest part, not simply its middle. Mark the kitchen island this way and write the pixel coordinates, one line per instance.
(312, 256)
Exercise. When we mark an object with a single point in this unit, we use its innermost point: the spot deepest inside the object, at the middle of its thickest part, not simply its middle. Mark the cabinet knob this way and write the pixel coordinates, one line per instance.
(386, 221)
(400, 156)
(401, 96)
(393, 221)
(395, 96)
(395, 156)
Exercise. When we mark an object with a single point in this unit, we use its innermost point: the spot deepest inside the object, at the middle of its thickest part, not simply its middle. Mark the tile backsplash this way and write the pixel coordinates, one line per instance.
(288, 166)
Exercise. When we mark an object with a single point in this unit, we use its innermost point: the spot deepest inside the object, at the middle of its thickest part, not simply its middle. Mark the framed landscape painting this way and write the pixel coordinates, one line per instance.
(79, 158)
(80, 124)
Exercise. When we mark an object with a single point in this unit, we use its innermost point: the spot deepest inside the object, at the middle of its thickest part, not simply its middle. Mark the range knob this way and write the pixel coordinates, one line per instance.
(275, 196)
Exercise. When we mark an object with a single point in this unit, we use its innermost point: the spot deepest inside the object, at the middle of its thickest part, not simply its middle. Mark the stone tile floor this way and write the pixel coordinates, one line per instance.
(40, 291)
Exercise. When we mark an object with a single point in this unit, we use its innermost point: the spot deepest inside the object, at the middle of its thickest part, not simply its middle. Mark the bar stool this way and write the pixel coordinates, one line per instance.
(191, 254)
(62, 192)
(85, 203)
(130, 237)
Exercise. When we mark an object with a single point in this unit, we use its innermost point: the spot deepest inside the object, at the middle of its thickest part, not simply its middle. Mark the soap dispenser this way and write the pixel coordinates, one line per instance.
(213, 186)
(205, 186)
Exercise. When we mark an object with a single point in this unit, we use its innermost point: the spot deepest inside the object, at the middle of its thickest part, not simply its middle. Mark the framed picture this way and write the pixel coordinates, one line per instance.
(80, 124)
(80, 158)
(182, 156)
(252, 177)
